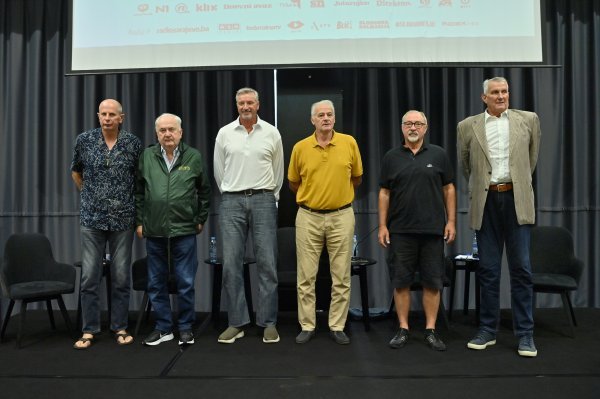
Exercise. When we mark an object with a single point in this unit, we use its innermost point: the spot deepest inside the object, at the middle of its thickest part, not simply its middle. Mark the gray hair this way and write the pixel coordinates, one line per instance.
(245, 90)
(414, 110)
(177, 119)
(498, 79)
(315, 105)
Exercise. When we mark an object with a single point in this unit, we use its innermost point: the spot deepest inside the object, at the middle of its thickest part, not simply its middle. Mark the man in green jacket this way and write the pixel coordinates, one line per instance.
(172, 201)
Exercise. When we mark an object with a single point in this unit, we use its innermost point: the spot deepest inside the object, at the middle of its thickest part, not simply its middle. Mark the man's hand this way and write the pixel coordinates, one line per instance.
(140, 232)
(383, 236)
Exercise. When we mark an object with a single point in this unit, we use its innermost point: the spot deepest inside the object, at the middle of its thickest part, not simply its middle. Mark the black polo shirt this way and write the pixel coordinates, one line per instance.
(415, 182)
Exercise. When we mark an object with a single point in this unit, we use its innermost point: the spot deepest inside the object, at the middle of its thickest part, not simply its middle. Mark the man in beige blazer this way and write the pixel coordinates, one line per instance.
(498, 151)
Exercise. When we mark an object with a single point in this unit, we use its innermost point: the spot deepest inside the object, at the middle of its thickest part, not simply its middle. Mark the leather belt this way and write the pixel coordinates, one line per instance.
(250, 192)
(325, 210)
(501, 187)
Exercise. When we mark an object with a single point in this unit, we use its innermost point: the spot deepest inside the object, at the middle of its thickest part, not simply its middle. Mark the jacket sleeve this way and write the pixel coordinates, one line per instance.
(463, 144)
(534, 146)
(204, 191)
(140, 191)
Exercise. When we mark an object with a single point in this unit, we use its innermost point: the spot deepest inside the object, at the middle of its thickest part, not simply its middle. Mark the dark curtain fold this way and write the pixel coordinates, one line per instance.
(42, 110)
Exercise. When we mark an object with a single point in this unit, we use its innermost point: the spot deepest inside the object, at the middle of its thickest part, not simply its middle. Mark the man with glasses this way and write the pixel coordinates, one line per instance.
(417, 213)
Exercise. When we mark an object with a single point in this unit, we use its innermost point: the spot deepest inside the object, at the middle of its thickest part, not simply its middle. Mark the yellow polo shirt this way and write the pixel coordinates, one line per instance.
(325, 173)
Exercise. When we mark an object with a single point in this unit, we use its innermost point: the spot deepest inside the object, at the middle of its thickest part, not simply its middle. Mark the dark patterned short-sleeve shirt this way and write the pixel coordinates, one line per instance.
(107, 192)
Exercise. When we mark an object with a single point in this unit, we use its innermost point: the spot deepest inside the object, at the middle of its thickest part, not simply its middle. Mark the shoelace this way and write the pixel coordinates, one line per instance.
(527, 341)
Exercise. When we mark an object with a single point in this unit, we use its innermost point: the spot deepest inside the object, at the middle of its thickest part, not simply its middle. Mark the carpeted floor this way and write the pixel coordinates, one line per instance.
(47, 366)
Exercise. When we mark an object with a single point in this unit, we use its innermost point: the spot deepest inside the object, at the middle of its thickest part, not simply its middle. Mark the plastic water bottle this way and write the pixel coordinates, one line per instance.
(355, 246)
(212, 249)
(474, 249)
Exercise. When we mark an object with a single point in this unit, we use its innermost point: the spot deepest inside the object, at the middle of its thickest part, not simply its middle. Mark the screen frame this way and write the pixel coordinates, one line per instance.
(544, 63)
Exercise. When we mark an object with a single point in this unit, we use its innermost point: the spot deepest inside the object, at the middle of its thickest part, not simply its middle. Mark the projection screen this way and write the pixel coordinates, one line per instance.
(122, 35)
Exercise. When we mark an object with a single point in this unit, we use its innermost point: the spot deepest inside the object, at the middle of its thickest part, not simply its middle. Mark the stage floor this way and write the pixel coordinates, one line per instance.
(47, 366)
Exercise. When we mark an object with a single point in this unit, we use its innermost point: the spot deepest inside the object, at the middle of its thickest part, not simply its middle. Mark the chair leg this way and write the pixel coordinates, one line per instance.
(364, 297)
(571, 309)
(452, 285)
(393, 314)
(6, 319)
(50, 313)
(442, 312)
(138, 323)
(63, 311)
(21, 323)
(148, 310)
(566, 307)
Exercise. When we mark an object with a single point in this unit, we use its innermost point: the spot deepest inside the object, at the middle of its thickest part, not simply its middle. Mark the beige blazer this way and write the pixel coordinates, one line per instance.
(474, 156)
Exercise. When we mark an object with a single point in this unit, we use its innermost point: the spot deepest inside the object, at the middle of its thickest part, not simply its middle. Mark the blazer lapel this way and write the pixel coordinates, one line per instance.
(479, 130)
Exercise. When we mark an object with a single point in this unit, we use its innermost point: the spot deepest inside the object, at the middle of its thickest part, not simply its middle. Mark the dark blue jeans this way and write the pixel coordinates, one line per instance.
(500, 228)
(93, 246)
(184, 260)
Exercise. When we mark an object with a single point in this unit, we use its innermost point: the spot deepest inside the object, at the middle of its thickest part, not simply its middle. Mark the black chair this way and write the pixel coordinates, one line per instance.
(139, 275)
(555, 268)
(30, 274)
(287, 269)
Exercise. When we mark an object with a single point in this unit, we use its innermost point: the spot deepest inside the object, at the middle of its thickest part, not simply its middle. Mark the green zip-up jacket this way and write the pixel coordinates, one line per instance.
(171, 204)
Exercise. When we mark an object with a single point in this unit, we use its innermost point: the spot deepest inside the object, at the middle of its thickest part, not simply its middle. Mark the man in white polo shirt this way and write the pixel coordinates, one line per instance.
(248, 167)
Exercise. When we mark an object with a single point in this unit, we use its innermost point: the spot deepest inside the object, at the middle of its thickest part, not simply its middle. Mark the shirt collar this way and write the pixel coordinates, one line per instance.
(164, 152)
(502, 115)
(424, 147)
(333, 140)
(258, 123)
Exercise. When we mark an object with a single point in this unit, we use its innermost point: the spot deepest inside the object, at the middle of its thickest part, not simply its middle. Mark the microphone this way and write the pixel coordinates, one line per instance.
(360, 241)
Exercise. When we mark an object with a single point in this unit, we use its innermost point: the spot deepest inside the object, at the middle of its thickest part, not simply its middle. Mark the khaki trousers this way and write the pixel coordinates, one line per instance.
(313, 230)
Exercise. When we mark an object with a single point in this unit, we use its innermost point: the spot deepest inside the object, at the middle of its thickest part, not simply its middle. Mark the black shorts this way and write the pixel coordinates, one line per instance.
(410, 253)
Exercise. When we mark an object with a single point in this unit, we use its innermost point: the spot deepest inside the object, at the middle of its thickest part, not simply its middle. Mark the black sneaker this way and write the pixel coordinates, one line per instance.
(400, 339)
(156, 337)
(434, 341)
(186, 338)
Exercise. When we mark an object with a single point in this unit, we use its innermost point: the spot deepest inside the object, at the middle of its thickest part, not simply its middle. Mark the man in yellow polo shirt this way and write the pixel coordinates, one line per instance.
(324, 170)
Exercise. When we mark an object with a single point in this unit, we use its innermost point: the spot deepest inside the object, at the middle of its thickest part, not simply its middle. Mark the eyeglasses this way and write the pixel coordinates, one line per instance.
(418, 125)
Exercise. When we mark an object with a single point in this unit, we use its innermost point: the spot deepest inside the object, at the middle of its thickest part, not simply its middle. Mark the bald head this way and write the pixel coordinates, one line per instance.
(110, 115)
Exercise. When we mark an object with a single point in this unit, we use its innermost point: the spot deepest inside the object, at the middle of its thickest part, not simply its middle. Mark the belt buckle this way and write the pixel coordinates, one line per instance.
(248, 193)
(502, 187)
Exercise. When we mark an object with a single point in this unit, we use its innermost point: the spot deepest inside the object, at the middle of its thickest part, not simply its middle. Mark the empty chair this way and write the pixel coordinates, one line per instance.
(30, 274)
(286, 268)
(555, 268)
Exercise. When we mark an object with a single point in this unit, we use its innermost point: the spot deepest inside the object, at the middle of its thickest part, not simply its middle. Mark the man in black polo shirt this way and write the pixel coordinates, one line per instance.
(417, 213)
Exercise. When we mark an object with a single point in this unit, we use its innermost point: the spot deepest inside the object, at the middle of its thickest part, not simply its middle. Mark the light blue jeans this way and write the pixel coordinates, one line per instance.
(93, 245)
(240, 214)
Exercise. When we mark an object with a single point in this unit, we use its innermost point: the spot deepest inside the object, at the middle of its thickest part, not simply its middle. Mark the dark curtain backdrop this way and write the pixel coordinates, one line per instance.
(42, 111)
